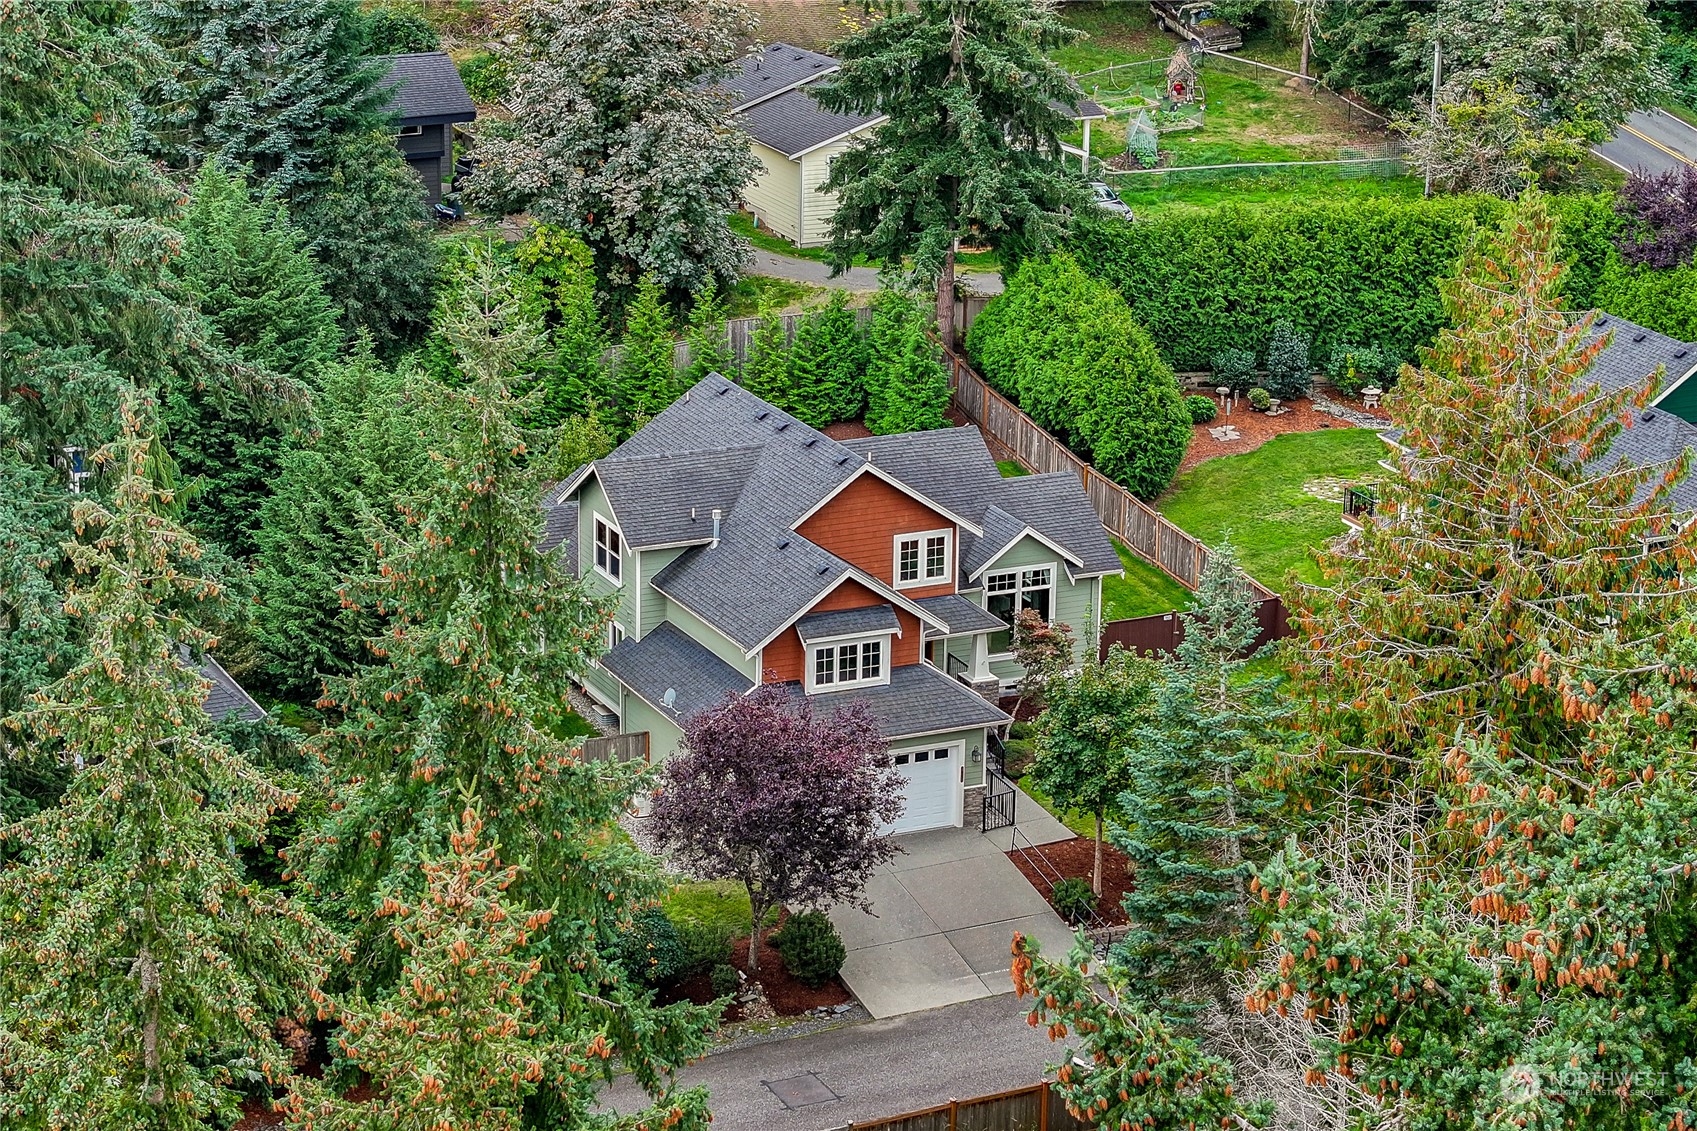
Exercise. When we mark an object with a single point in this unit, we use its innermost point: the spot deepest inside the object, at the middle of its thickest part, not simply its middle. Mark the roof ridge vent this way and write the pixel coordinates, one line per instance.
(1649, 415)
(823, 570)
(763, 414)
(844, 458)
(783, 543)
(723, 389)
(1639, 336)
(782, 424)
(810, 441)
(1680, 353)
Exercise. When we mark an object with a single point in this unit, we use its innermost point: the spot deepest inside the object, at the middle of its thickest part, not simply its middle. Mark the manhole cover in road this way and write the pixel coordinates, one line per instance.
(801, 1091)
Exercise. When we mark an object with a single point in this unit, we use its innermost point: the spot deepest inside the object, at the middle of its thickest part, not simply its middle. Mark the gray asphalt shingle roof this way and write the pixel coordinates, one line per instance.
(848, 622)
(559, 531)
(775, 68)
(1056, 507)
(950, 466)
(919, 699)
(667, 659)
(961, 615)
(793, 123)
(662, 500)
(427, 86)
(226, 697)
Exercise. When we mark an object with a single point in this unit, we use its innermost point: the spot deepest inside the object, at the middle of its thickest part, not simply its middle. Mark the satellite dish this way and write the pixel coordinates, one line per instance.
(670, 699)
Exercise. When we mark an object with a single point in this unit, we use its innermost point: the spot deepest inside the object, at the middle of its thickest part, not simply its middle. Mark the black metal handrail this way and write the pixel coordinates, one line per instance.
(1000, 806)
(1359, 502)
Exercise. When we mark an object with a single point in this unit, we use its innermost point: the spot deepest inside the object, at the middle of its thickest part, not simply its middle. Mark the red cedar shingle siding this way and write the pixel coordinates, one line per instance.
(783, 659)
(860, 526)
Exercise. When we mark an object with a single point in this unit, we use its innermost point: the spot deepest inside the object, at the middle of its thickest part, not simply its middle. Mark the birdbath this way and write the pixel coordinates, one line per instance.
(1224, 392)
(1273, 406)
(1370, 396)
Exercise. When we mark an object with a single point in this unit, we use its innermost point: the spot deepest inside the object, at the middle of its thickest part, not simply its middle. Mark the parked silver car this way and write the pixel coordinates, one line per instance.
(1108, 200)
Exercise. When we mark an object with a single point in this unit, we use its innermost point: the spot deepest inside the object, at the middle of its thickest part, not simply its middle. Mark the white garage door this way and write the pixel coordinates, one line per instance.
(933, 787)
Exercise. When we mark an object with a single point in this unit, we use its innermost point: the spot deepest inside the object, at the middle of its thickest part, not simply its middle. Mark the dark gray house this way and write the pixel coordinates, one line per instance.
(428, 98)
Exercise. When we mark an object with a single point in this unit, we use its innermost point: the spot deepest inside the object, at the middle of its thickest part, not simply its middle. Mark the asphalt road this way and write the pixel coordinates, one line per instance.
(1652, 141)
(877, 1068)
(855, 278)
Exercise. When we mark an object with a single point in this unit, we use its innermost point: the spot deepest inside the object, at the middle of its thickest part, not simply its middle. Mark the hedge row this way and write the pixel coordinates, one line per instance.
(1064, 346)
(1345, 271)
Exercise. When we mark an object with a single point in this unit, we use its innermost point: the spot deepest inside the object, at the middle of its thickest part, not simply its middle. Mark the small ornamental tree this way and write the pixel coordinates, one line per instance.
(1289, 371)
(766, 373)
(794, 807)
(1087, 736)
(828, 366)
(1194, 813)
(1660, 210)
(139, 963)
(1131, 1068)
(1044, 651)
(907, 388)
(709, 347)
(647, 380)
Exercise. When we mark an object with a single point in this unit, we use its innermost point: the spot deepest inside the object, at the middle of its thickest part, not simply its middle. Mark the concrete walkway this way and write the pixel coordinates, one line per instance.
(855, 278)
(943, 916)
(868, 1071)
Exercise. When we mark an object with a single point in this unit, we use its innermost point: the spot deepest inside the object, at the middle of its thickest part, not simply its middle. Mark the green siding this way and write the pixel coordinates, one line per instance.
(970, 739)
(653, 603)
(663, 734)
(707, 636)
(592, 501)
(1078, 605)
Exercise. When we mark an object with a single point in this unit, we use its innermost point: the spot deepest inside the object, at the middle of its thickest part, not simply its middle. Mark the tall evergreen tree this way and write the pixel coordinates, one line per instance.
(828, 366)
(648, 381)
(709, 348)
(1499, 677)
(249, 271)
(575, 377)
(265, 85)
(317, 531)
(1195, 815)
(618, 143)
(766, 373)
(907, 388)
(972, 145)
(140, 969)
(371, 239)
(486, 629)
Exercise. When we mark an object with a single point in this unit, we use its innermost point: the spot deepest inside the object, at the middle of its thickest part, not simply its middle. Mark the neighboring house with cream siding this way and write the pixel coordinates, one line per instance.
(794, 138)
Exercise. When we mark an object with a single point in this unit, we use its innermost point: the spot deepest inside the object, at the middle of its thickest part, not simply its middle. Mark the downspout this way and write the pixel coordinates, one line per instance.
(801, 202)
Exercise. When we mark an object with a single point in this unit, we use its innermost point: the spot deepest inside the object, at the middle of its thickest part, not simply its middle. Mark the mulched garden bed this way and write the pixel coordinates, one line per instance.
(1256, 428)
(1077, 857)
(787, 996)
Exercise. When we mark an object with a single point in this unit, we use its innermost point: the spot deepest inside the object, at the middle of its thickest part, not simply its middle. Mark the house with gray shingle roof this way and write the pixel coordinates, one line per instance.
(427, 99)
(745, 547)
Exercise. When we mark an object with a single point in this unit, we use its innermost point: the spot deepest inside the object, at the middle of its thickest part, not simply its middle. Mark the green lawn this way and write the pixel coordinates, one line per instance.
(1081, 823)
(1143, 591)
(766, 240)
(1115, 32)
(721, 903)
(1011, 468)
(1160, 198)
(1262, 502)
(573, 725)
(756, 294)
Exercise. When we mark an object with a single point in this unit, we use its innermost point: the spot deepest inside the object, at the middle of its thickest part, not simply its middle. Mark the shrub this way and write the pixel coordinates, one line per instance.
(1074, 899)
(1353, 368)
(1663, 301)
(1235, 369)
(812, 950)
(1066, 348)
(651, 951)
(1260, 399)
(1346, 270)
(702, 945)
(725, 980)
(486, 77)
(828, 366)
(907, 388)
(1288, 372)
(1202, 409)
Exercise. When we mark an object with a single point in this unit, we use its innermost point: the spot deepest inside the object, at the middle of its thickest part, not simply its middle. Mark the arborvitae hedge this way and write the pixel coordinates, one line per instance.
(1065, 347)
(1344, 271)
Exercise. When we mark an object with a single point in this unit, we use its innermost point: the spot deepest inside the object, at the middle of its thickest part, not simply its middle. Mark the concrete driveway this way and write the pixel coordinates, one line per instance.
(944, 915)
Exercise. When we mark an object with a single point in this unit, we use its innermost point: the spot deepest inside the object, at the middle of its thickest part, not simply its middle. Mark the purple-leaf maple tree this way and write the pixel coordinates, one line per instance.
(795, 806)
(1661, 218)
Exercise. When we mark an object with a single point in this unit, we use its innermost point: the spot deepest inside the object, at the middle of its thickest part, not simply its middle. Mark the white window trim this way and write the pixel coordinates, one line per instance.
(615, 634)
(1019, 592)
(411, 131)
(597, 519)
(811, 661)
(920, 536)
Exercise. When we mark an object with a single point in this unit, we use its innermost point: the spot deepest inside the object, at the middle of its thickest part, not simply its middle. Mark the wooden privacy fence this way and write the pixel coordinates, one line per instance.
(1035, 1108)
(1142, 528)
(617, 748)
(1162, 632)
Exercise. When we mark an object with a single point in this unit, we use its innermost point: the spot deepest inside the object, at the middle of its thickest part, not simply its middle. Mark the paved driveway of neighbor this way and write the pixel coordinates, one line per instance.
(944, 915)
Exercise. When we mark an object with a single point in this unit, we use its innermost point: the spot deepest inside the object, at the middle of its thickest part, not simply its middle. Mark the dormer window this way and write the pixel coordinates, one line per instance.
(608, 545)
(841, 664)
(926, 558)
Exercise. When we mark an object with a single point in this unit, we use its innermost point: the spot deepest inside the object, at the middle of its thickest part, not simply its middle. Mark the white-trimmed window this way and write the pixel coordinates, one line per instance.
(1006, 592)
(412, 131)
(615, 634)
(609, 547)
(836, 664)
(925, 558)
